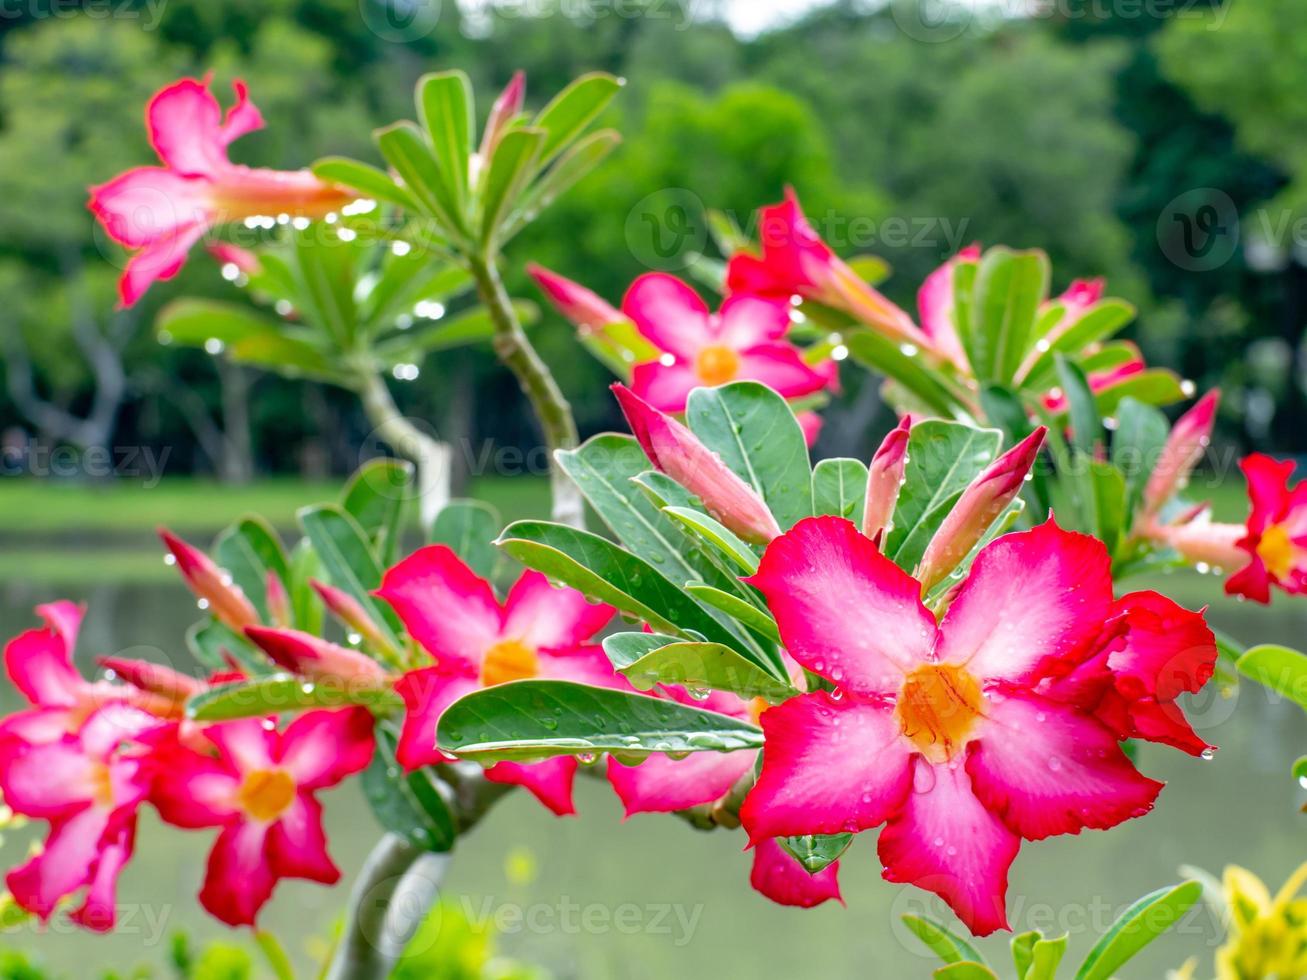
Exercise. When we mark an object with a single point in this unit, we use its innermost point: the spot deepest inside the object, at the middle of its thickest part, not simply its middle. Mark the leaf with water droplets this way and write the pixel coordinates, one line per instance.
(817, 852)
(279, 693)
(410, 805)
(648, 659)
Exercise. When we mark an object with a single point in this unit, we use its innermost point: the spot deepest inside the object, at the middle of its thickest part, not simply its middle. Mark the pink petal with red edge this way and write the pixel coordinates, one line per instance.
(1268, 488)
(829, 767)
(321, 748)
(149, 204)
(192, 790)
(664, 785)
(50, 781)
(550, 781)
(40, 665)
(669, 314)
(1166, 724)
(38, 726)
(427, 693)
(747, 273)
(1168, 649)
(185, 128)
(935, 306)
(844, 610)
(66, 864)
(65, 618)
(297, 844)
(158, 261)
(1031, 598)
(1252, 582)
(780, 367)
(246, 745)
(582, 665)
(746, 321)
(445, 606)
(548, 618)
(243, 117)
(665, 387)
(946, 842)
(99, 911)
(239, 879)
(1046, 770)
(785, 881)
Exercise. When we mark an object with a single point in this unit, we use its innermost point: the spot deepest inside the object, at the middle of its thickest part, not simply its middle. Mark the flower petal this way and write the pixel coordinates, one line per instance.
(1047, 770)
(581, 665)
(51, 781)
(297, 844)
(65, 865)
(149, 204)
(243, 117)
(185, 127)
(747, 321)
(844, 610)
(160, 260)
(663, 785)
(445, 605)
(945, 841)
(427, 693)
(666, 387)
(548, 618)
(39, 661)
(550, 781)
(829, 767)
(669, 314)
(1168, 650)
(780, 367)
(785, 881)
(99, 912)
(246, 745)
(192, 790)
(239, 879)
(1031, 598)
(320, 748)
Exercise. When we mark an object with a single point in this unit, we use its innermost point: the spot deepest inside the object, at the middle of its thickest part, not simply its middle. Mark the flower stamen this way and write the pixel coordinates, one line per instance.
(937, 709)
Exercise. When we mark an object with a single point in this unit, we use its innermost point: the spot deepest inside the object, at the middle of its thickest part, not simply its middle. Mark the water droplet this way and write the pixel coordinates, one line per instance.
(698, 693)
(203, 603)
(1208, 754)
(837, 695)
(1055, 764)
(587, 758)
(170, 559)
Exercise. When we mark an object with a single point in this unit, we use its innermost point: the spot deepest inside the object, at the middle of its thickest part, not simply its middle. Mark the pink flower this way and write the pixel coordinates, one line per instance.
(796, 262)
(352, 615)
(588, 311)
(212, 585)
(89, 790)
(1275, 542)
(160, 212)
(785, 881)
(675, 450)
(941, 730)
(936, 310)
(1189, 439)
(502, 113)
(317, 659)
(885, 479)
(476, 642)
(744, 341)
(259, 786)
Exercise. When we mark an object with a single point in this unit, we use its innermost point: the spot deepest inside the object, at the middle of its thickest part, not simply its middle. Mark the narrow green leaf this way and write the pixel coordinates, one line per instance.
(817, 852)
(1086, 424)
(907, 369)
(471, 326)
(196, 322)
(1138, 926)
(1023, 952)
(538, 719)
(363, 177)
(1141, 434)
(1155, 386)
(1281, 669)
(1045, 957)
(408, 154)
(650, 659)
(964, 971)
(1099, 323)
(571, 167)
(376, 496)
(410, 805)
(469, 529)
(278, 693)
(1004, 303)
(406, 280)
(756, 434)
(742, 611)
(349, 561)
(275, 956)
(510, 170)
(212, 643)
(248, 550)
(306, 605)
(839, 488)
(948, 946)
(1110, 517)
(722, 539)
(444, 102)
(572, 110)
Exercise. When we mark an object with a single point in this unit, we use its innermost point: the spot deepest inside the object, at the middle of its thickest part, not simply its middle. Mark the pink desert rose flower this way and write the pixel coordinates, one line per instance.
(1275, 543)
(259, 785)
(675, 450)
(744, 341)
(940, 730)
(89, 789)
(160, 212)
(796, 262)
(885, 480)
(476, 642)
(1189, 439)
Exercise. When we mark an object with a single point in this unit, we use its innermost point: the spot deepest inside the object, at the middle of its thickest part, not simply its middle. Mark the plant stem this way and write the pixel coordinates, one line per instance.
(431, 456)
(551, 409)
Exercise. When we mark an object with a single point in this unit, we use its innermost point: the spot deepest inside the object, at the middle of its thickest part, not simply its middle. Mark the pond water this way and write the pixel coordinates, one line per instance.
(650, 897)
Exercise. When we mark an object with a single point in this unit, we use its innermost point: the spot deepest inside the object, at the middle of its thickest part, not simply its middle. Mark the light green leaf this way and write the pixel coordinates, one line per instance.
(1005, 299)
(1023, 952)
(907, 369)
(947, 945)
(1086, 424)
(469, 528)
(408, 154)
(742, 611)
(510, 169)
(349, 561)
(1282, 669)
(1138, 926)
(470, 326)
(444, 102)
(275, 956)
(194, 322)
(575, 163)
(839, 488)
(376, 496)
(409, 805)
(1141, 434)
(306, 605)
(721, 538)
(1046, 955)
(572, 110)
(964, 971)
(278, 693)
(650, 659)
(538, 719)
(212, 643)
(1155, 386)
(248, 550)
(817, 852)
(1110, 517)
(363, 177)
(1099, 323)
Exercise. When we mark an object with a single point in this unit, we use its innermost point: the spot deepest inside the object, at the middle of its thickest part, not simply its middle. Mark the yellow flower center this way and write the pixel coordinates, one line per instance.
(937, 709)
(511, 660)
(266, 794)
(102, 781)
(1278, 550)
(716, 365)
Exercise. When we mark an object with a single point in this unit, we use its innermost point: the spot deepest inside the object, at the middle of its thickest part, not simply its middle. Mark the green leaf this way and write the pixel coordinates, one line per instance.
(1099, 323)
(1045, 957)
(194, 322)
(364, 177)
(602, 570)
(889, 359)
(349, 561)
(964, 971)
(1299, 771)
(249, 550)
(538, 719)
(445, 107)
(817, 852)
(275, 956)
(722, 538)
(376, 496)
(409, 805)
(466, 327)
(1086, 425)
(574, 164)
(572, 110)
(650, 659)
(756, 434)
(839, 488)
(1138, 926)
(742, 611)
(278, 693)
(469, 529)
(212, 642)
(325, 268)
(1023, 952)
(287, 356)
(943, 459)
(407, 153)
(1141, 434)
(405, 281)
(1110, 516)
(1156, 386)
(510, 170)
(306, 605)
(948, 946)
(1282, 669)
(1005, 300)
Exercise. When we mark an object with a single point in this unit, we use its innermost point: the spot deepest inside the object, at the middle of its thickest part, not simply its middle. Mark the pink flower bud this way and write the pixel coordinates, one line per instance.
(242, 258)
(980, 505)
(502, 113)
(211, 584)
(676, 451)
(590, 312)
(1206, 542)
(352, 616)
(278, 600)
(885, 479)
(152, 678)
(313, 657)
(1189, 439)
